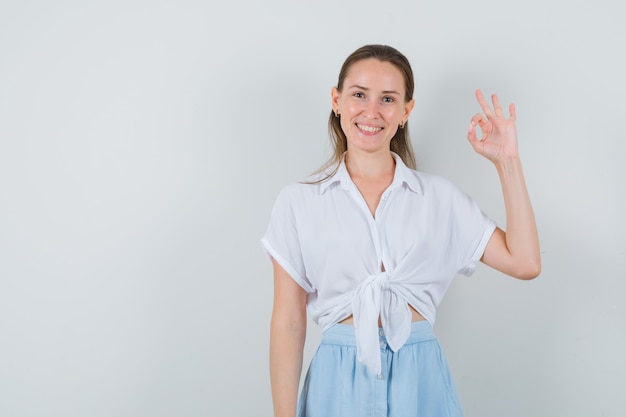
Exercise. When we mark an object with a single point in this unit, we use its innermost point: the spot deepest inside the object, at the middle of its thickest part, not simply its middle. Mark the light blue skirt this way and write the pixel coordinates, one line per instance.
(415, 380)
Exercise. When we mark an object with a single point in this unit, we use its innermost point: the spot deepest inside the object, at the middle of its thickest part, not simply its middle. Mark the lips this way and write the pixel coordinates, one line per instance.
(369, 129)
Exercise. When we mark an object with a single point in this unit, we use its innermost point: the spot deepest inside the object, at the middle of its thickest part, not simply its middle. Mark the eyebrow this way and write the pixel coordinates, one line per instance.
(359, 87)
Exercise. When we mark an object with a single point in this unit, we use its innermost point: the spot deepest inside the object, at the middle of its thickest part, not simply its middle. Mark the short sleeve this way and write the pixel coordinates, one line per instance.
(473, 231)
(281, 240)
(469, 268)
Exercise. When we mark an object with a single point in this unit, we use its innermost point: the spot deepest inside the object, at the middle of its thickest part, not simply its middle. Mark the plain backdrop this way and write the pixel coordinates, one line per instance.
(142, 145)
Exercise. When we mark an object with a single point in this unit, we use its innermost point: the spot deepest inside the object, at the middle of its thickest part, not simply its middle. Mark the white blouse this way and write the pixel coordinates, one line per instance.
(425, 230)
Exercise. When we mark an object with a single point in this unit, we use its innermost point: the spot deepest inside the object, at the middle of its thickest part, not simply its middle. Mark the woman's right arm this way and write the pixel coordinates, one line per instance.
(287, 335)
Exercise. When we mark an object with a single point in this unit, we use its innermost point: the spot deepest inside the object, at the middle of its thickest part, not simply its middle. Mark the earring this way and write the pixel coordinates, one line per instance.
(336, 112)
(402, 125)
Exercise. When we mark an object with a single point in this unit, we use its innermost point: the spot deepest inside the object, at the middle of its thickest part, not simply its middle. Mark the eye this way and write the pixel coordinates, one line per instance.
(358, 94)
(388, 99)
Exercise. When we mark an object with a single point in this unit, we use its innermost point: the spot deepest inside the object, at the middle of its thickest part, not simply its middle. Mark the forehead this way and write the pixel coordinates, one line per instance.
(375, 74)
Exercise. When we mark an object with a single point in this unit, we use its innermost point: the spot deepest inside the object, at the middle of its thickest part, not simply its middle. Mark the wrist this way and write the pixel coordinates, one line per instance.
(508, 162)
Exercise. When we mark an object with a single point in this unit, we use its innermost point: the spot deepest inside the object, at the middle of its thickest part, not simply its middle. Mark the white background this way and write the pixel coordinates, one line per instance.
(142, 145)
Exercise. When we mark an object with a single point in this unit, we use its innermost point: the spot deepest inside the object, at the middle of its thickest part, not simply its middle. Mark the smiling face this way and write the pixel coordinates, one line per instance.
(371, 105)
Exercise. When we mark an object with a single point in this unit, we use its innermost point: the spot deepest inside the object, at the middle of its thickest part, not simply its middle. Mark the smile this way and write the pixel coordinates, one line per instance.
(369, 129)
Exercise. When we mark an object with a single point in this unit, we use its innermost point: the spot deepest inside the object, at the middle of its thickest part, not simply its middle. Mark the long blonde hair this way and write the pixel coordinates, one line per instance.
(400, 143)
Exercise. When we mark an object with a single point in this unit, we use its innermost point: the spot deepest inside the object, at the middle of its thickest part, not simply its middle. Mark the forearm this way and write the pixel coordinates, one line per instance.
(522, 240)
(286, 347)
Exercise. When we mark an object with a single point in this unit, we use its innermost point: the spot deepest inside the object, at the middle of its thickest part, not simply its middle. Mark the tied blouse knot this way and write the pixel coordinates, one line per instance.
(379, 295)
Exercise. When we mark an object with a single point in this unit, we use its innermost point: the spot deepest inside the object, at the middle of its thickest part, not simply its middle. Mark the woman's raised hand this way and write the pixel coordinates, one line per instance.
(499, 134)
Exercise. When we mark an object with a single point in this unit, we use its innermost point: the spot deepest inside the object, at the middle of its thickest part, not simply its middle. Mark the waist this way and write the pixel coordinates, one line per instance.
(343, 334)
(415, 316)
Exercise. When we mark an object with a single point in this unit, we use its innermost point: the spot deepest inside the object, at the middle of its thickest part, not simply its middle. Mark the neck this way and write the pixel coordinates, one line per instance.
(370, 166)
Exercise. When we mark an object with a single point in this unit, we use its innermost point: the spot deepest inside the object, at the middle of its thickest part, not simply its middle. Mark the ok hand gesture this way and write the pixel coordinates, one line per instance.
(499, 134)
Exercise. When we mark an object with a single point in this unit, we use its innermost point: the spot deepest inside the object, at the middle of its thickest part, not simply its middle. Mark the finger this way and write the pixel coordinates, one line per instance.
(472, 130)
(472, 138)
(480, 120)
(483, 104)
(512, 111)
(496, 105)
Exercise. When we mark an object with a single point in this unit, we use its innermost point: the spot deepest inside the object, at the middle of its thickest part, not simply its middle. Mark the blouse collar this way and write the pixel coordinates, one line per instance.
(402, 175)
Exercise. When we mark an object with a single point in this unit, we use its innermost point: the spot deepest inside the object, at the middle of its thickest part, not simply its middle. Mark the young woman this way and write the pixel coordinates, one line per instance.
(369, 246)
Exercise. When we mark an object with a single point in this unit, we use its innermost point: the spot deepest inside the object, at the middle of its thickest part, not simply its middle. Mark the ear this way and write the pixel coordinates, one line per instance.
(408, 108)
(335, 95)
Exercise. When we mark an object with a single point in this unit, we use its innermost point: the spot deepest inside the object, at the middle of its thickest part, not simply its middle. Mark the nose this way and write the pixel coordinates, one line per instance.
(371, 110)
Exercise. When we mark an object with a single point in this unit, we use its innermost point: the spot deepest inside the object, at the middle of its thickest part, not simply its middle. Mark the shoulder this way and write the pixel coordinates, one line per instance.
(301, 188)
(312, 185)
(432, 184)
(298, 193)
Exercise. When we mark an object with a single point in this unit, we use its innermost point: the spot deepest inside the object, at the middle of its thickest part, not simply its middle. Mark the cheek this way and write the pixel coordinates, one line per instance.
(391, 132)
(352, 108)
(394, 113)
(345, 123)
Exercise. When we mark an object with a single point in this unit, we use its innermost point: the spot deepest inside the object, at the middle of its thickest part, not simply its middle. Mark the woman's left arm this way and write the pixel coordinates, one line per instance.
(516, 251)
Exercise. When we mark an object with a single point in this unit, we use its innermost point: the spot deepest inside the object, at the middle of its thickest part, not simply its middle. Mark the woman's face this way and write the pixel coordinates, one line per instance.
(371, 105)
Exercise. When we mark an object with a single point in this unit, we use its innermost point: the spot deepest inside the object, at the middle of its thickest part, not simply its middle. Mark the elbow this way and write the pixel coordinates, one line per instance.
(293, 323)
(292, 333)
(529, 271)
(289, 326)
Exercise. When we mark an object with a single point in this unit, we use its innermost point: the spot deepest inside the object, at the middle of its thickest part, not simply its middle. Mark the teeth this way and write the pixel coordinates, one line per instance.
(369, 129)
